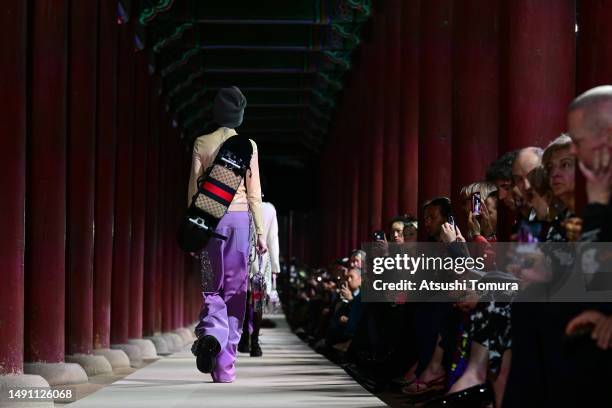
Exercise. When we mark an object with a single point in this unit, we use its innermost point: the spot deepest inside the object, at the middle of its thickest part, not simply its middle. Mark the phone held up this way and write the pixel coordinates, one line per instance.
(379, 235)
(476, 203)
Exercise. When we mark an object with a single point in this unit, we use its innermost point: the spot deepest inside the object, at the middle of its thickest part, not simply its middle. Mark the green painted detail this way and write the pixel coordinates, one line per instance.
(182, 61)
(178, 33)
(194, 98)
(362, 6)
(185, 83)
(342, 58)
(150, 13)
(333, 83)
(349, 32)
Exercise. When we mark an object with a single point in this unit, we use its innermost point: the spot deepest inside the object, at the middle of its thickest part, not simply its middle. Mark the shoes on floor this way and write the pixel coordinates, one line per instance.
(255, 348)
(404, 380)
(267, 324)
(243, 344)
(206, 349)
(478, 396)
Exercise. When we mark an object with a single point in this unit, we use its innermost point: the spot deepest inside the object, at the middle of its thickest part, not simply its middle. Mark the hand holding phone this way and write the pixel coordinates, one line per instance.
(379, 236)
(476, 203)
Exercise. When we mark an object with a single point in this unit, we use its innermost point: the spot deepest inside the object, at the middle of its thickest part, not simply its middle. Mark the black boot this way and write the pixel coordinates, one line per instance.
(255, 349)
(206, 349)
(243, 344)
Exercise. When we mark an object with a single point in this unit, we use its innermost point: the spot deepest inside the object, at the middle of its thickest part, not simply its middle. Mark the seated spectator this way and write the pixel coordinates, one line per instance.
(347, 315)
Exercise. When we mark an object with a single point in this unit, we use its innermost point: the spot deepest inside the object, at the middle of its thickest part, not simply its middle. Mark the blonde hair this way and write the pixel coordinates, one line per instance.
(483, 187)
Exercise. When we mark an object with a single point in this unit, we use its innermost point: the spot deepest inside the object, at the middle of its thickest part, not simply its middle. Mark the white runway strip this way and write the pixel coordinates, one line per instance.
(289, 374)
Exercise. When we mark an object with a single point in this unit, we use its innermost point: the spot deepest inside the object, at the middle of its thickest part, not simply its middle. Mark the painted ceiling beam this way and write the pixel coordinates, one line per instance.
(271, 21)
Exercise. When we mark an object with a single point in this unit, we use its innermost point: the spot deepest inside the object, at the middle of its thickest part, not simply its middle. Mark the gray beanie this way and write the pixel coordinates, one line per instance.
(228, 108)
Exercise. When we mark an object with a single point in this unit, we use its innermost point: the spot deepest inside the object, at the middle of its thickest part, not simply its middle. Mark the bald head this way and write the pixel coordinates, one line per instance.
(590, 122)
(592, 98)
(526, 160)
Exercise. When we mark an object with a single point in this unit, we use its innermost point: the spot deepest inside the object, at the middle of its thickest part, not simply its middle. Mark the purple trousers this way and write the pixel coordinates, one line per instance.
(224, 296)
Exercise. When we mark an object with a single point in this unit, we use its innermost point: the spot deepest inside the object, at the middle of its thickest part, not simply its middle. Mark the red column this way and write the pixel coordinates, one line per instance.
(540, 70)
(123, 184)
(409, 105)
(13, 19)
(365, 138)
(435, 100)
(150, 299)
(377, 124)
(160, 209)
(46, 214)
(392, 84)
(140, 183)
(166, 241)
(105, 172)
(476, 93)
(594, 59)
(354, 164)
(594, 51)
(81, 171)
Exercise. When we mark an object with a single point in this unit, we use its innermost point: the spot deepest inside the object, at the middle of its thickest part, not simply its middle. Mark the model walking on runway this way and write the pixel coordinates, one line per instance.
(225, 263)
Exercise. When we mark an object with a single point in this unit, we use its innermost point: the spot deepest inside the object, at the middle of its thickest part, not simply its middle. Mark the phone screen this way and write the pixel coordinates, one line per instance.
(476, 203)
(379, 235)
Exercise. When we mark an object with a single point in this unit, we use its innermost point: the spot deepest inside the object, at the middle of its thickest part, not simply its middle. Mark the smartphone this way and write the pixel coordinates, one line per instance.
(451, 220)
(379, 235)
(476, 203)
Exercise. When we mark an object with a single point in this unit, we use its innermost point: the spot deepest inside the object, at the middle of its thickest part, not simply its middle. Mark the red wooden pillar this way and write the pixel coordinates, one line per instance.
(342, 192)
(377, 124)
(354, 164)
(106, 136)
(46, 196)
(160, 211)
(13, 18)
(81, 173)
(476, 93)
(392, 85)
(409, 107)
(435, 100)
(150, 299)
(594, 60)
(594, 52)
(365, 138)
(327, 204)
(174, 197)
(123, 182)
(540, 70)
(188, 291)
(167, 216)
(140, 183)
(160, 225)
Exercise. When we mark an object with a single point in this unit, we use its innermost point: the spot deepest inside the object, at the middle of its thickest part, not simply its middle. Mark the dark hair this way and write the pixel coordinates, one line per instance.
(444, 203)
(538, 179)
(405, 219)
(501, 169)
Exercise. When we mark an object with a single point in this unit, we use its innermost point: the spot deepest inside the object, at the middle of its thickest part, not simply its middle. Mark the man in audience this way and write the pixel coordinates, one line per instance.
(526, 160)
(343, 324)
(590, 127)
(500, 173)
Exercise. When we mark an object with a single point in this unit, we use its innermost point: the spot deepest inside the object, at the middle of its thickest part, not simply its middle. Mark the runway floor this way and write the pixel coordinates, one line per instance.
(289, 374)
